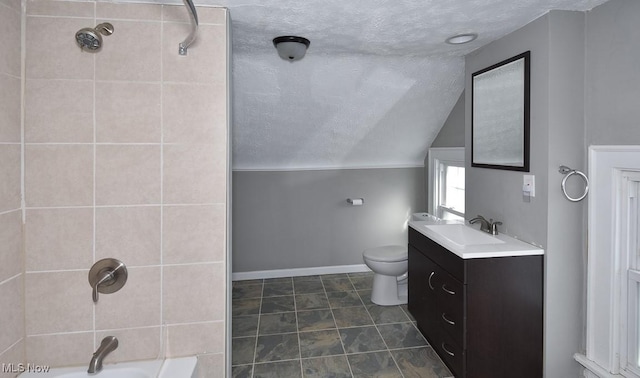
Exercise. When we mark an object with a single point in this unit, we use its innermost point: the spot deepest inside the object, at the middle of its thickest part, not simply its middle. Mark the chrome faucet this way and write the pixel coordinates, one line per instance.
(488, 226)
(108, 345)
(484, 224)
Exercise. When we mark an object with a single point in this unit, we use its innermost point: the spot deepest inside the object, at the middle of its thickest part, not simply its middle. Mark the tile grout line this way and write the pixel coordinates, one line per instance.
(344, 349)
(295, 311)
(428, 345)
(94, 191)
(255, 346)
(164, 336)
(299, 359)
(378, 330)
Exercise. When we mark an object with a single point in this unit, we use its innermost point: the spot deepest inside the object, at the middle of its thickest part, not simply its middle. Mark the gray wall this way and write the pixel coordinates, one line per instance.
(556, 42)
(300, 219)
(497, 194)
(565, 259)
(613, 74)
(452, 132)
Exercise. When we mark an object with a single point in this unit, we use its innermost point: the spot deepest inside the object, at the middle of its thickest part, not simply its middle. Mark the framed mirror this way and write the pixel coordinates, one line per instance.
(500, 115)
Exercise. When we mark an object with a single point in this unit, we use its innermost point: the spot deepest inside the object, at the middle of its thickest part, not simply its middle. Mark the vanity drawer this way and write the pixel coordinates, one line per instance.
(451, 299)
(450, 291)
(451, 353)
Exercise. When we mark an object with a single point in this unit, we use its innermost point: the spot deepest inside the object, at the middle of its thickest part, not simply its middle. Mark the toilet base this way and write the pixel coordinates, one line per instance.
(388, 291)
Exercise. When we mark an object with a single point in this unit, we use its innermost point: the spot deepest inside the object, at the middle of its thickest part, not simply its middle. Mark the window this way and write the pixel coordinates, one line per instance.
(446, 182)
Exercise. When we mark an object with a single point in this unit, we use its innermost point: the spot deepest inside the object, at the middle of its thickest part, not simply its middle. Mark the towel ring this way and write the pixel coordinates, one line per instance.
(570, 172)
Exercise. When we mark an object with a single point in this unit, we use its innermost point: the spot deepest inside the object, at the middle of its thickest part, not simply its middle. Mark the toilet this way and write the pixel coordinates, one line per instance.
(389, 264)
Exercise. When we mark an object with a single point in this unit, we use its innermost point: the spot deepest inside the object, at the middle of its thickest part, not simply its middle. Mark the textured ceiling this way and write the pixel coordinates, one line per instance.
(339, 111)
(376, 85)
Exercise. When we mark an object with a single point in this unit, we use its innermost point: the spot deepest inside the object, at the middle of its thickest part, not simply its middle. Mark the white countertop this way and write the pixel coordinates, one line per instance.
(504, 246)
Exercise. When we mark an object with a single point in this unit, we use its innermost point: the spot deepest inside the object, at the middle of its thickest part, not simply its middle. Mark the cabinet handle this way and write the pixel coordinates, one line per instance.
(448, 351)
(447, 320)
(444, 287)
(430, 277)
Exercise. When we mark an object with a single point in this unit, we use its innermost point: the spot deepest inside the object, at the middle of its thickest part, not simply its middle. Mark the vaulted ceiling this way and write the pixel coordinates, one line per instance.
(376, 85)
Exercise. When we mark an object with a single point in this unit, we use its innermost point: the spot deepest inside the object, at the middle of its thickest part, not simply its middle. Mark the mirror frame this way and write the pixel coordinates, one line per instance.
(501, 162)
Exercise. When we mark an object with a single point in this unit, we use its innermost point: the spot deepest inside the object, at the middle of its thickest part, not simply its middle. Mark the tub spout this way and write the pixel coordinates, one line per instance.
(108, 345)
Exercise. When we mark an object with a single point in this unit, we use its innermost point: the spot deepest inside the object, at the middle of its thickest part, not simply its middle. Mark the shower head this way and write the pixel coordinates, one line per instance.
(90, 39)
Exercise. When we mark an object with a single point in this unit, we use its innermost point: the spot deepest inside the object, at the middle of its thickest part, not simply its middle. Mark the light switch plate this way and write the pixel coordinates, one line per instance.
(529, 185)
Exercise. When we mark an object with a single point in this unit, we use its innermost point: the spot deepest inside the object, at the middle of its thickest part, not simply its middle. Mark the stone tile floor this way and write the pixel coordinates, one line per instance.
(325, 326)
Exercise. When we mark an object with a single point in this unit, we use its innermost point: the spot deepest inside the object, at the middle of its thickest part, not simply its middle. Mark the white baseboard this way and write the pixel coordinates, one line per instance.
(296, 272)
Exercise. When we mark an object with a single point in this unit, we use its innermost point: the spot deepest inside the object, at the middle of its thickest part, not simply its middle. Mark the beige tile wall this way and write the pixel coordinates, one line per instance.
(11, 256)
(125, 157)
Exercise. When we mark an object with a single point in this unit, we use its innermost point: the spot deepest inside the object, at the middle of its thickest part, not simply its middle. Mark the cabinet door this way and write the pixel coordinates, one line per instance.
(422, 295)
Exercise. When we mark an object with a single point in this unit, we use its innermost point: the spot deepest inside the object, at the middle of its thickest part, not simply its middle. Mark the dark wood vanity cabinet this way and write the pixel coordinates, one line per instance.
(483, 316)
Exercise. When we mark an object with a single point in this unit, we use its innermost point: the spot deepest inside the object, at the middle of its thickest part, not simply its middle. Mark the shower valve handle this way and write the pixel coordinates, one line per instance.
(107, 276)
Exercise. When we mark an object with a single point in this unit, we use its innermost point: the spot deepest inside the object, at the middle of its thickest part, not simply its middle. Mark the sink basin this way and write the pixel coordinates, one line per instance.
(470, 243)
(462, 235)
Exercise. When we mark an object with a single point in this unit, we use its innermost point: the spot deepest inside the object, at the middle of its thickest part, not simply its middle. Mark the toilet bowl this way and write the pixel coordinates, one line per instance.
(389, 264)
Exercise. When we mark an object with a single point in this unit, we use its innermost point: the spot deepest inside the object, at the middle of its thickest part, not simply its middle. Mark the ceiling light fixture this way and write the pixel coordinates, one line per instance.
(461, 38)
(291, 48)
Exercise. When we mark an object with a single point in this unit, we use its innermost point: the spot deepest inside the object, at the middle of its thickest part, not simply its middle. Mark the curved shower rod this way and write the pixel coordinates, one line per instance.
(184, 45)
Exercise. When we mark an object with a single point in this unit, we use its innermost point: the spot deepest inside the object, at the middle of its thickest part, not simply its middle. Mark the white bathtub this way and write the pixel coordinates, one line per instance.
(171, 368)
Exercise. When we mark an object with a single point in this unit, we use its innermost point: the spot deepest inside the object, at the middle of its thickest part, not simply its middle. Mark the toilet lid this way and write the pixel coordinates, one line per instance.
(387, 253)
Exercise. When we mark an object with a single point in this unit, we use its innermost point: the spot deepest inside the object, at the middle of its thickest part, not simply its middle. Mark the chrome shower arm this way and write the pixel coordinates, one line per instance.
(184, 45)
